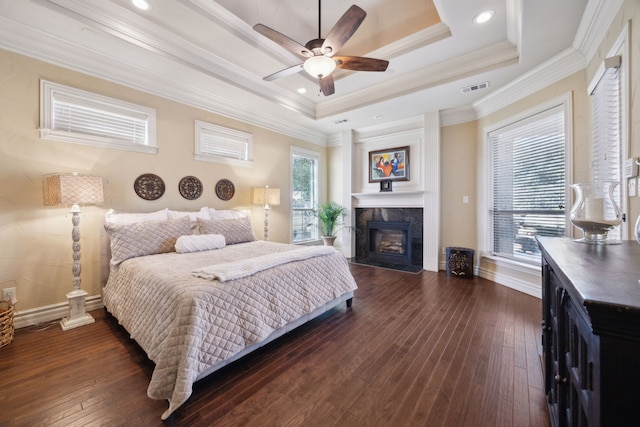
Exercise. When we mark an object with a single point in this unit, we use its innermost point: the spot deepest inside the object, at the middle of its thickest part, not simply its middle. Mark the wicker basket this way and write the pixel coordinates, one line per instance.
(6, 323)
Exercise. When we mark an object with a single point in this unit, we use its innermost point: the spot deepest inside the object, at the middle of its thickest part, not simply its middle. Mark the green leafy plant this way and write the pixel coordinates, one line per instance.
(331, 218)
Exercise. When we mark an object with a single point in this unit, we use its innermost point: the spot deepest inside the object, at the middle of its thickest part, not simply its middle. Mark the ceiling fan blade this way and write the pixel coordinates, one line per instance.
(359, 63)
(283, 73)
(284, 41)
(326, 85)
(343, 30)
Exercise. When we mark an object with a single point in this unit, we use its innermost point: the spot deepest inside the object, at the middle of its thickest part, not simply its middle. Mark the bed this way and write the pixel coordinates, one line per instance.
(196, 310)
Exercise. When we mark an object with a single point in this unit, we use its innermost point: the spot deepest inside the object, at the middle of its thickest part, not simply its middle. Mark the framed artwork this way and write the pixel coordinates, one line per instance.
(389, 165)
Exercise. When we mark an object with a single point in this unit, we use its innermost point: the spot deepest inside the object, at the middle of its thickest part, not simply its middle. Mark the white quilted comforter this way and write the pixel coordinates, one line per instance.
(187, 324)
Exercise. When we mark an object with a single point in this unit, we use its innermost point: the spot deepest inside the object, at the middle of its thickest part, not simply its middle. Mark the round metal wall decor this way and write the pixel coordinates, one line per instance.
(190, 187)
(149, 186)
(225, 189)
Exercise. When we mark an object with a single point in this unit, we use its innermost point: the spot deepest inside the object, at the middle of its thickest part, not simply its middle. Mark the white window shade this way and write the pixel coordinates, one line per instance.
(223, 145)
(74, 115)
(607, 137)
(527, 184)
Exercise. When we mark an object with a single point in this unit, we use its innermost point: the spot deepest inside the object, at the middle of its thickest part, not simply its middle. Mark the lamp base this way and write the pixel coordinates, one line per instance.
(77, 314)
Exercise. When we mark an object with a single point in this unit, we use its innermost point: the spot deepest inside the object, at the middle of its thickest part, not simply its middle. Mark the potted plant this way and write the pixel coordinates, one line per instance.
(330, 221)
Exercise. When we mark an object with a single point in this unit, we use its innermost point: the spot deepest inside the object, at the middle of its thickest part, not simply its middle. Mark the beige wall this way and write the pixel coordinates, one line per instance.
(459, 152)
(35, 254)
(335, 174)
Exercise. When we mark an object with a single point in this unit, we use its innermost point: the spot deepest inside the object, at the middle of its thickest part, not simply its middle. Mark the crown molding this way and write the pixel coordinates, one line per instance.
(481, 60)
(36, 44)
(596, 21)
(413, 41)
(218, 14)
(564, 64)
(134, 29)
(455, 116)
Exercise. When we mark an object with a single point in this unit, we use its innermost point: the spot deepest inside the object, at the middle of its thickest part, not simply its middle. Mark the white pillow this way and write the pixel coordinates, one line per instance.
(203, 213)
(114, 217)
(228, 214)
(201, 242)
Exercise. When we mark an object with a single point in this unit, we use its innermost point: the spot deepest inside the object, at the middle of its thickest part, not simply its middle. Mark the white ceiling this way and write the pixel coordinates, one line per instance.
(205, 53)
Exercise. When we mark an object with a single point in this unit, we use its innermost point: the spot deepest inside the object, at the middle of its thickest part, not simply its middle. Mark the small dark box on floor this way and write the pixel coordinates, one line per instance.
(460, 262)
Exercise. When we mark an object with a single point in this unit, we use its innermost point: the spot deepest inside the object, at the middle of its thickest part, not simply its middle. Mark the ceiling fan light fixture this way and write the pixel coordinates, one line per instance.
(319, 66)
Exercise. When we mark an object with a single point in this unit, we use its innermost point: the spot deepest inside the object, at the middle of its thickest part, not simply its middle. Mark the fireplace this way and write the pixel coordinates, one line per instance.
(389, 241)
(389, 237)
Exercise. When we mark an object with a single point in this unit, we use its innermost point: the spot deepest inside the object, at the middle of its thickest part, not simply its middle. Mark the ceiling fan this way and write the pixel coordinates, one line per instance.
(319, 53)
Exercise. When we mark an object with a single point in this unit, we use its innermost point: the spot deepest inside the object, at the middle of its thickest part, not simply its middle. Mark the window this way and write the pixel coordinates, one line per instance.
(223, 145)
(304, 194)
(527, 184)
(81, 117)
(607, 138)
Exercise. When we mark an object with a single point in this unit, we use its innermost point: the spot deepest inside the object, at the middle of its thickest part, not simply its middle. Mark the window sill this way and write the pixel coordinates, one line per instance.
(226, 161)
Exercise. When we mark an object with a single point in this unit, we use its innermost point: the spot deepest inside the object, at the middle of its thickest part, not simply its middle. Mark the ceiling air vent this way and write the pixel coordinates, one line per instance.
(475, 87)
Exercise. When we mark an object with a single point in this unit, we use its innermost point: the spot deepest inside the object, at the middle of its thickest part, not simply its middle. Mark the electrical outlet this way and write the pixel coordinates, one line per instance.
(9, 294)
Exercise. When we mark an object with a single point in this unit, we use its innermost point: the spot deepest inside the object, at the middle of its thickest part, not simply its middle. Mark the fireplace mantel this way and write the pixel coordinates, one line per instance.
(408, 199)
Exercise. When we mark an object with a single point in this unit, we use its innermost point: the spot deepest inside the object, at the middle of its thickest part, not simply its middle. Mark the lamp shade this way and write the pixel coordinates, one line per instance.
(266, 196)
(72, 188)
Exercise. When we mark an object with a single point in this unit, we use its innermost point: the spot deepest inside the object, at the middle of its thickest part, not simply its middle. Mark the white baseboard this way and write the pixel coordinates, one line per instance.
(47, 313)
(530, 288)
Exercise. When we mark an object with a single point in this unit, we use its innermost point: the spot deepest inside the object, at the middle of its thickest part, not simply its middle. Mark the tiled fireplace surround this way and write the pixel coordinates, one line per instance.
(390, 214)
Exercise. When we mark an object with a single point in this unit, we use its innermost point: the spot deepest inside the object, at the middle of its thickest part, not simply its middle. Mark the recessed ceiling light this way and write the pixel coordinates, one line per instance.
(377, 117)
(483, 17)
(141, 4)
(302, 90)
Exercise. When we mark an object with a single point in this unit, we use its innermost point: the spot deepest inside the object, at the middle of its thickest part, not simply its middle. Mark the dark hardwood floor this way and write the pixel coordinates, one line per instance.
(414, 350)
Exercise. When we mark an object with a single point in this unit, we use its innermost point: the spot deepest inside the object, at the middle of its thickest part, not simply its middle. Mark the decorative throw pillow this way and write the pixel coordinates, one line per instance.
(235, 230)
(145, 238)
(128, 218)
(201, 242)
(193, 215)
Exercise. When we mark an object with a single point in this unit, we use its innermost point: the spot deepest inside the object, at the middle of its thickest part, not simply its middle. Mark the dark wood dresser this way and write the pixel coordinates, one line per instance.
(591, 332)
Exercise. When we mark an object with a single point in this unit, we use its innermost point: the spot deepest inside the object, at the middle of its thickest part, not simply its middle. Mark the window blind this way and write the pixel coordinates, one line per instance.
(83, 116)
(215, 144)
(528, 184)
(606, 149)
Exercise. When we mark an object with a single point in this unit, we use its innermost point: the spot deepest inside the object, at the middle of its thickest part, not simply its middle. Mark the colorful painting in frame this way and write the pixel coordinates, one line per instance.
(390, 164)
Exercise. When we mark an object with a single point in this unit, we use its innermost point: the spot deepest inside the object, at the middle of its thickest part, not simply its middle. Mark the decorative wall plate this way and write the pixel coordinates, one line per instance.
(190, 187)
(149, 186)
(225, 189)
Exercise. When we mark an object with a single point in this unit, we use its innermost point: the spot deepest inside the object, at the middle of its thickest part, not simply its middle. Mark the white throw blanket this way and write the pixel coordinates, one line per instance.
(247, 267)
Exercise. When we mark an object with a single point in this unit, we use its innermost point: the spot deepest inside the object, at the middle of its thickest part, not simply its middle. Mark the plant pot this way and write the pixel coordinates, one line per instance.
(328, 240)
